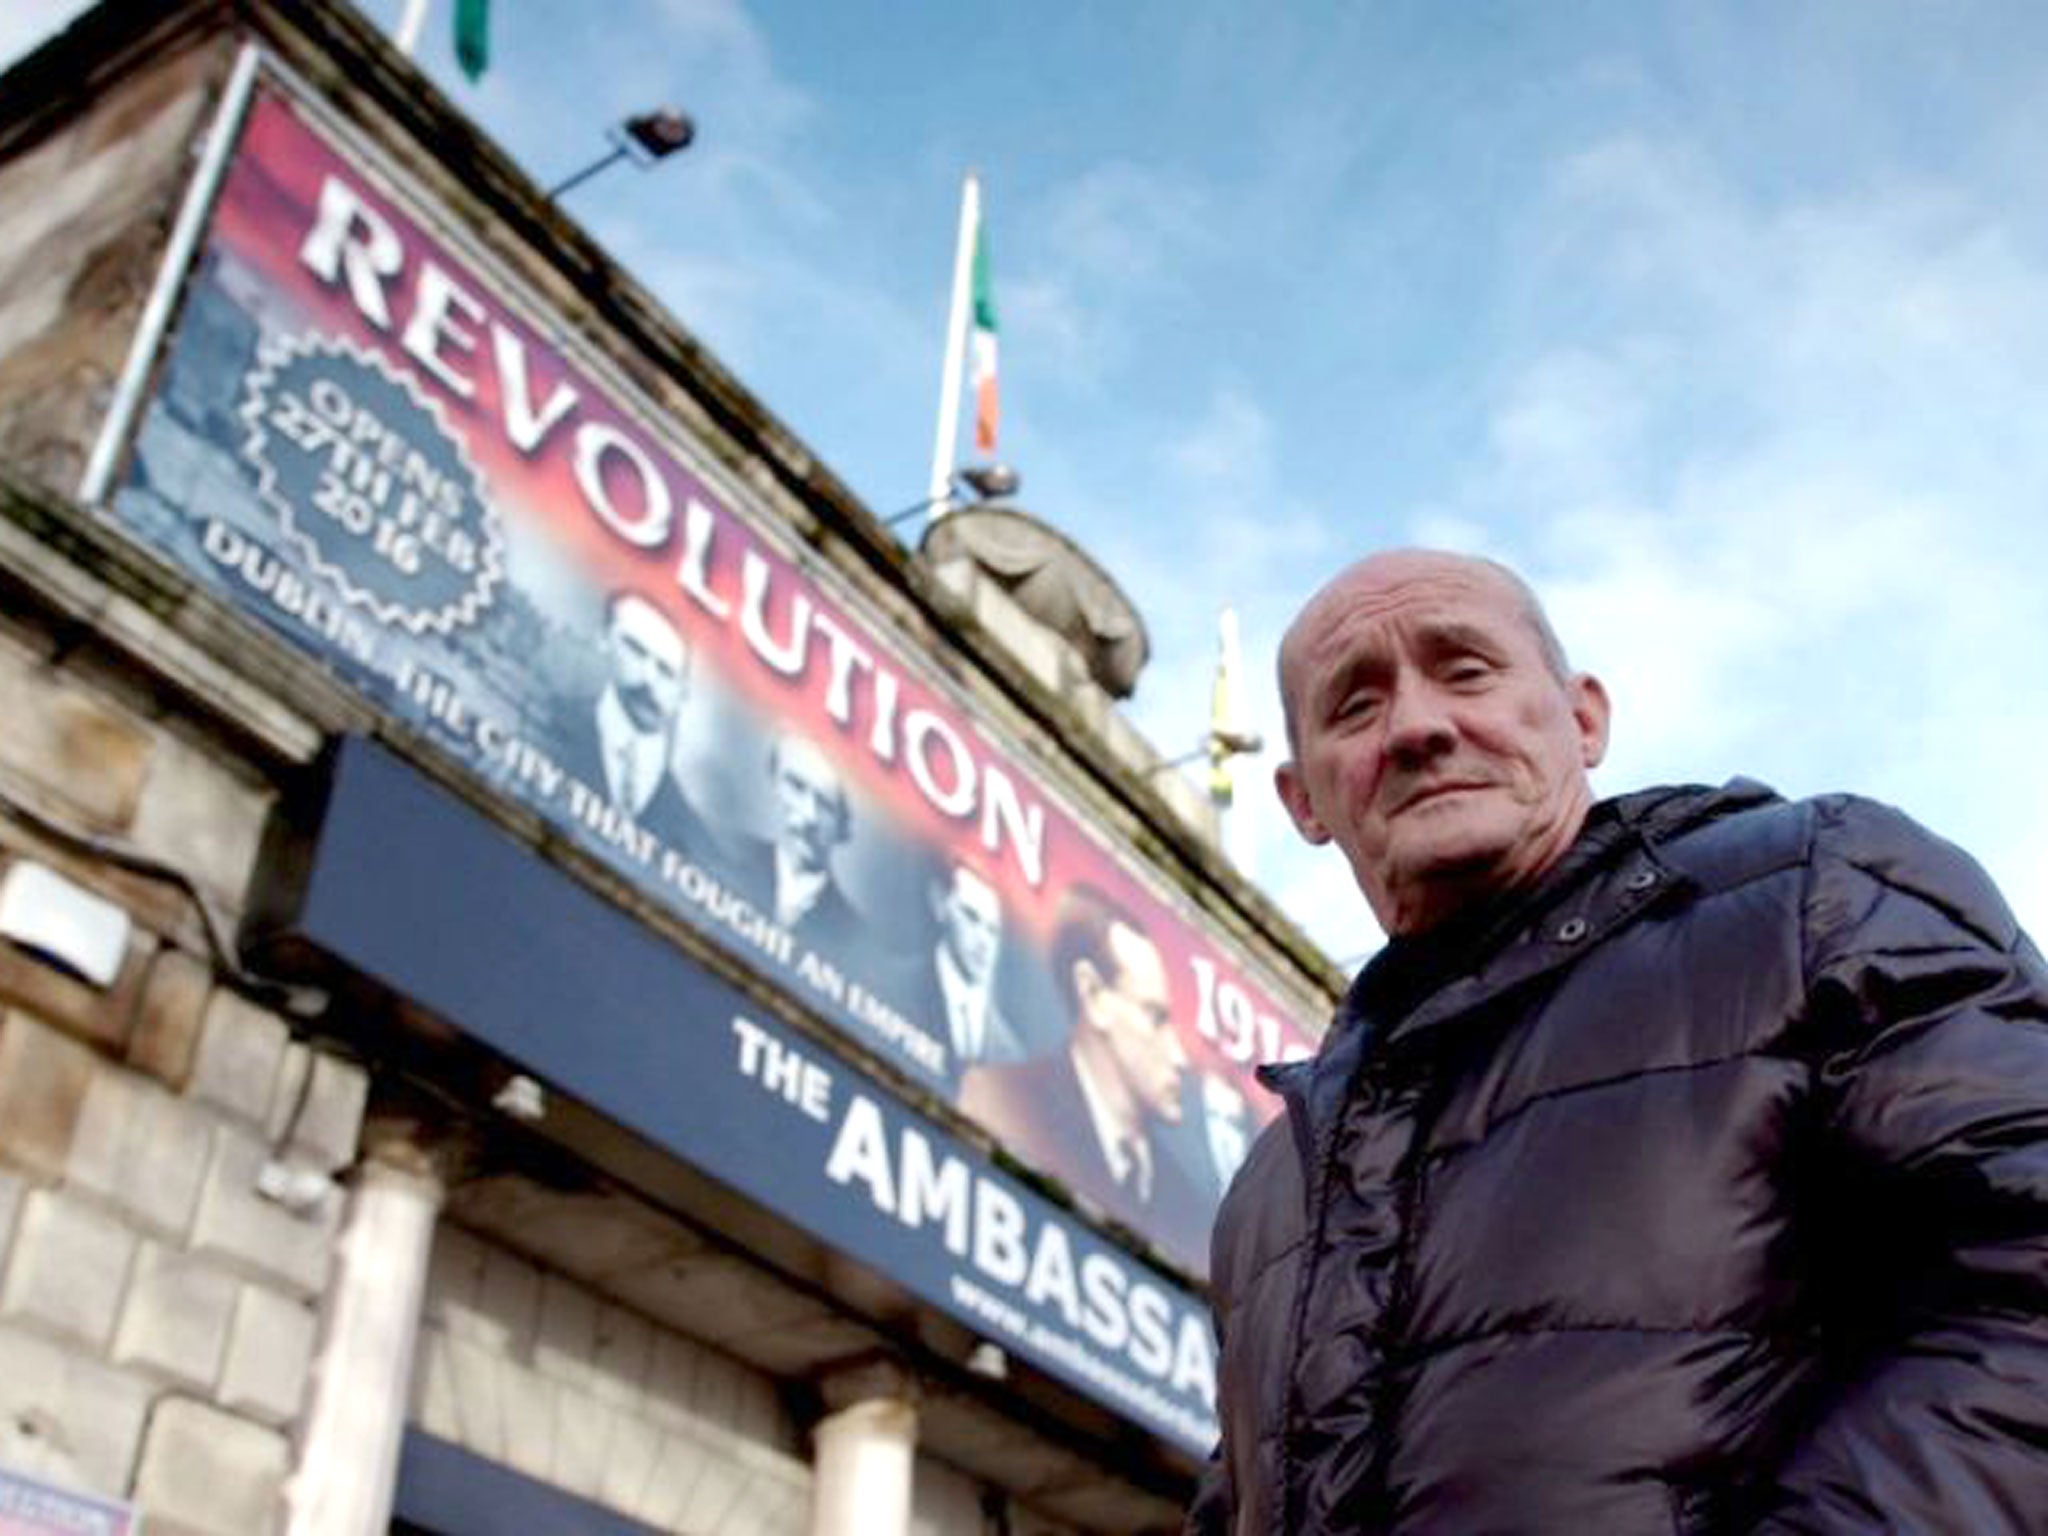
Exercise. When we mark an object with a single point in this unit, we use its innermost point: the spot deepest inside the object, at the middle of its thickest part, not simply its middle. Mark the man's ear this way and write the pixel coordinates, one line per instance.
(1087, 984)
(1591, 708)
(1294, 795)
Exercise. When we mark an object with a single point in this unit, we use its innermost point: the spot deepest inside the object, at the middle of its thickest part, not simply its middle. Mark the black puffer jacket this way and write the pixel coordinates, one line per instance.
(1709, 1196)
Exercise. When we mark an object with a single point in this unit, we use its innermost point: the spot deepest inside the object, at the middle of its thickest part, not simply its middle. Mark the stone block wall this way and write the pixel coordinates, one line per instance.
(535, 1371)
(158, 1317)
(84, 217)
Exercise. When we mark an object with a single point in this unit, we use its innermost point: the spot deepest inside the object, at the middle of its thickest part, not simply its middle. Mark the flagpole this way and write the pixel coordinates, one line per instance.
(1226, 739)
(407, 37)
(946, 440)
(1223, 711)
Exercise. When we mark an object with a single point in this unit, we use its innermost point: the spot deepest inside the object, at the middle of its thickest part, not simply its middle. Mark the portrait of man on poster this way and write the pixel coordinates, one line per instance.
(954, 989)
(622, 745)
(790, 875)
(1093, 1112)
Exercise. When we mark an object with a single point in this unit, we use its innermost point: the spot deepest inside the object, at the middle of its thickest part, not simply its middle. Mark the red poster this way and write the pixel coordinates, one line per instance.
(369, 436)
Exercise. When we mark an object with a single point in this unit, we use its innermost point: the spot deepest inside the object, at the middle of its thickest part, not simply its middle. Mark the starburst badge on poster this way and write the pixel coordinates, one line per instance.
(370, 485)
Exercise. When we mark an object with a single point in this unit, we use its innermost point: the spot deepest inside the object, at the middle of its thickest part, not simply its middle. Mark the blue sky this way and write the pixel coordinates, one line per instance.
(1723, 322)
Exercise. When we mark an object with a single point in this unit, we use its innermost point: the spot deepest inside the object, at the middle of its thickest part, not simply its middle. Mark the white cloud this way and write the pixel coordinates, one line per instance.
(1066, 336)
(1121, 223)
(1786, 497)
(1232, 446)
(1092, 257)
(1775, 464)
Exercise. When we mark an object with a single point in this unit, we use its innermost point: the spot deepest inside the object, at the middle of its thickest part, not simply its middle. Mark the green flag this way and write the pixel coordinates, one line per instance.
(982, 356)
(473, 37)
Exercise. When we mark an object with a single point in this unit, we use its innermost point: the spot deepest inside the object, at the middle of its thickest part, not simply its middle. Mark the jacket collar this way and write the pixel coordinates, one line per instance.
(1618, 869)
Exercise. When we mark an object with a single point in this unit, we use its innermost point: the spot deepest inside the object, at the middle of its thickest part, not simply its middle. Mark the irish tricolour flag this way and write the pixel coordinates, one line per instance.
(472, 33)
(982, 353)
(970, 327)
(473, 37)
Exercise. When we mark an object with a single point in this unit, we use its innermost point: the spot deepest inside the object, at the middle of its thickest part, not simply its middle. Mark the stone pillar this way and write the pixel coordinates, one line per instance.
(866, 1446)
(348, 1456)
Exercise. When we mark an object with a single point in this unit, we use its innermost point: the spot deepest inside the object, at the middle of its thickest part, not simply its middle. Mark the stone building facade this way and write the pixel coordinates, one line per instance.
(295, 1238)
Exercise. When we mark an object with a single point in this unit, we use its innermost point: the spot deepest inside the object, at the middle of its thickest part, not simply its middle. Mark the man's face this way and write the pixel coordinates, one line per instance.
(1433, 743)
(648, 660)
(809, 801)
(970, 923)
(1133, 1009)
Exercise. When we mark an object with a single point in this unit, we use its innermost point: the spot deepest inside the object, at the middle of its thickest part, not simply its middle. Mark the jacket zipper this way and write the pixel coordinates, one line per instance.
(1319, 1174)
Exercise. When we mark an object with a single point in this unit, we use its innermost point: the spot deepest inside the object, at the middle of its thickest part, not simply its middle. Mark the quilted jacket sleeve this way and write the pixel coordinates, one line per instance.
(1932, 1010)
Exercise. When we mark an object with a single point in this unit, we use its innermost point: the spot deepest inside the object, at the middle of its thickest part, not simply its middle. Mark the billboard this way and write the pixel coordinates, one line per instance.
(366, 433)
(578, 993)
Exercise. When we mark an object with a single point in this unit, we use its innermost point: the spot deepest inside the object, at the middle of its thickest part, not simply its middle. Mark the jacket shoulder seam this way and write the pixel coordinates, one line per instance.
(1267, 1263)
(1611, 1080)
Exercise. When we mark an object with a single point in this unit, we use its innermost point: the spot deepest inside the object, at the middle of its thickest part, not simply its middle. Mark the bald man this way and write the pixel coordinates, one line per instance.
(1679, 1165)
